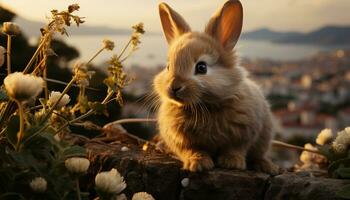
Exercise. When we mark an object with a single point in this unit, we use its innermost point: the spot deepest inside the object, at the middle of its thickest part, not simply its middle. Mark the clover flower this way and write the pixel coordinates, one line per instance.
(77, 165)
(342, 141)
(2, 55)
(10, 28)
(324, 137)
(110, 182)
(38, 184)
(54, 96)
(142, 196)
(108, 44)
(121, 197)
(23, 87)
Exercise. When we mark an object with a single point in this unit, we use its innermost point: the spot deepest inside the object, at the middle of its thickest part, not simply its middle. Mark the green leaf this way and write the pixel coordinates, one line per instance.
(345, 162)
(12, 129)
(343, 172)
(11, 196)
(344, 192)
(3, 96)
(99, 108)
(327, 151)
(73, 151)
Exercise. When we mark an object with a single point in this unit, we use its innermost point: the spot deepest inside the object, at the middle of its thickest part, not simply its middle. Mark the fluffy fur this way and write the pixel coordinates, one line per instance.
(220, 117)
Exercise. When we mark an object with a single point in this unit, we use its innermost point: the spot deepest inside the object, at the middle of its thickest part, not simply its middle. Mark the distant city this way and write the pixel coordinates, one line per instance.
(306, 96)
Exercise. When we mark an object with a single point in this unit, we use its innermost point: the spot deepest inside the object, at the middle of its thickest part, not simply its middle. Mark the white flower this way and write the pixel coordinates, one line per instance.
(54, 96)
(77, 165)
(306, 156)
(23, 87)
(185, 182)
(10, 28)
(38, 184)
(2, 55)
(142, 196)
(110, 182)
(342, 141)
(324, 137)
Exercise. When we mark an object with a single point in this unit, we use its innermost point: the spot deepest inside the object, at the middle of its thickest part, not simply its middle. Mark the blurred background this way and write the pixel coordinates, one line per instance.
(297, 50)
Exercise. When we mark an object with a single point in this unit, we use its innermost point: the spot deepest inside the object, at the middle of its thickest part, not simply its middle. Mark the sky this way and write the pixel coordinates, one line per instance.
(280, 15)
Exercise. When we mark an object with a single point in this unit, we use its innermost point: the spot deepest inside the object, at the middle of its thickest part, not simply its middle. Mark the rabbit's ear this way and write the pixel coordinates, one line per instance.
(226, 24)
(173, 24)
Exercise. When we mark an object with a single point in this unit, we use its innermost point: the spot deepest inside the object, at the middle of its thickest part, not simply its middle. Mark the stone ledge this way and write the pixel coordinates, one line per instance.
(160, 175)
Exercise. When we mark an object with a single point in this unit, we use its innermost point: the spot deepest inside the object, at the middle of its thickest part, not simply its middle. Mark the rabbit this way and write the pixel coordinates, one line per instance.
(211, 113)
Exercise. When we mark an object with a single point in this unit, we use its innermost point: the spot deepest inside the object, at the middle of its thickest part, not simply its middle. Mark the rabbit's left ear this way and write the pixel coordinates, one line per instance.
(226, 24)
(172, 22)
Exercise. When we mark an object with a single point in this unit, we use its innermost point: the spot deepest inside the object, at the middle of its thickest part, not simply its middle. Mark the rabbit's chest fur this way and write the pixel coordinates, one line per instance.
(231, 122)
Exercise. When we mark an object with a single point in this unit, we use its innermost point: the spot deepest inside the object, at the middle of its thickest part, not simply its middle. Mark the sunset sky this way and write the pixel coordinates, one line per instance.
(282, 15)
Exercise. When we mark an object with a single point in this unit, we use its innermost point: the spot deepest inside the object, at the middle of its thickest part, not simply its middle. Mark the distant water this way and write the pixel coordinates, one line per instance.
(153, 49)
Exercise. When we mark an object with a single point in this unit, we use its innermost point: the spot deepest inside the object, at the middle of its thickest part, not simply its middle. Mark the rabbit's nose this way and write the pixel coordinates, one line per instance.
(176, 89)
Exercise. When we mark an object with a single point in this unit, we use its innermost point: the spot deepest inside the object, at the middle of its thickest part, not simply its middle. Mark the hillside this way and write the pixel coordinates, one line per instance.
(31, 28)
(329, 35)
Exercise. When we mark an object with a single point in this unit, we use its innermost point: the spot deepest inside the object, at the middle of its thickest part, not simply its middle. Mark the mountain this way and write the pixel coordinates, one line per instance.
(267, 34)
(32, 28)
(328, 35)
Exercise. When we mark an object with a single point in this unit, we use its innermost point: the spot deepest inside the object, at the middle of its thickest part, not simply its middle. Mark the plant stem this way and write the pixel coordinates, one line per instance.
(290, 146)
(46, 89)
(38, 66)
(124, 49)
(78, 188)
(109, 95)
(94, 56)
(21, 125)
(69, 85)
(8, 53)
(87, 114)
(31, 61)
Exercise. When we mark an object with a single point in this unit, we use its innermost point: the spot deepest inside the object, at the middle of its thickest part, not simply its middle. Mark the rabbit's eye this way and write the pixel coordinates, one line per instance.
(201, 67)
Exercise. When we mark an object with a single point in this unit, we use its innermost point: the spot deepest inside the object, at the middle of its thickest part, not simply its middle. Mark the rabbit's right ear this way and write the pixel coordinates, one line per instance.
(173, 24)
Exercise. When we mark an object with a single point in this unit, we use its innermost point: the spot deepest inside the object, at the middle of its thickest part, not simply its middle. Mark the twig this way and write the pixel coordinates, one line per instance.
(290, 146)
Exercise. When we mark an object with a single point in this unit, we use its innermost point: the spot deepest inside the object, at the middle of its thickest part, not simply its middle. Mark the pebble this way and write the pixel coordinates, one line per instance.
(185, 182)
(125, 148)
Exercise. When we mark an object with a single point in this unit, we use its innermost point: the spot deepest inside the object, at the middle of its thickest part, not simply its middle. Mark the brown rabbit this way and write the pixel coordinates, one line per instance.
(210, 111)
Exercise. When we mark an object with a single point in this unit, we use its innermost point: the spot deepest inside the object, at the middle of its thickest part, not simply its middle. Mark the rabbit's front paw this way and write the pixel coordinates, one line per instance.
(266, 166)
(230, 161)
(198, 162)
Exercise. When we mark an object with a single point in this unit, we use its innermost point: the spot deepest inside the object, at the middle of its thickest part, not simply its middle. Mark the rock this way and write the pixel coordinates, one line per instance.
(292, 186)
(225, 184)
(160, 175)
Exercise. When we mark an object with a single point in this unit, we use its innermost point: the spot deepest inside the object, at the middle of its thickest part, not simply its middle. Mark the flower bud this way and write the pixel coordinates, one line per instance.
(107, 44)
(38, 184)
(10, 28)
(77, 165)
